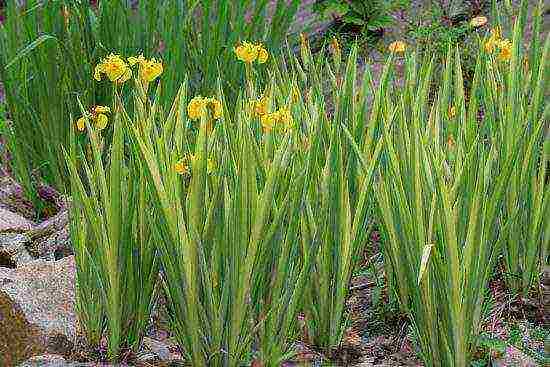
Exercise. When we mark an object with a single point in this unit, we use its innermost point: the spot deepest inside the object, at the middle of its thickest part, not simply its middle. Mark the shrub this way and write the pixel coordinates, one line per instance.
(361, 15)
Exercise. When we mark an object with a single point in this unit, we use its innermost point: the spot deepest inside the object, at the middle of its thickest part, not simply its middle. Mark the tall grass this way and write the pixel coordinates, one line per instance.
(449, 192)
(257, 215)
(111, 228)
(233, 269)
(439, 201)
(337, 212)
(43, 63)
(518, 110)
(49, 50)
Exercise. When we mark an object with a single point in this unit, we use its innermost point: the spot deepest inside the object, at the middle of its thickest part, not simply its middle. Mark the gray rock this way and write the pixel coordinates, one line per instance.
(45, 360)
(12, 198)
(160, 349)
(13, 222)
(54, 360)
(51, 239)
(13, 252)
(53, 224)
(515, 357)
(37, 311)
(54, 247)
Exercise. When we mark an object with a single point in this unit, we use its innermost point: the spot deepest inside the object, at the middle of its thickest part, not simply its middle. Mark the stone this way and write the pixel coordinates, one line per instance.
(45, 360)
(13, 222)
(37, 310)
(12, 198)
(160, 349)
(54, 247)
(515, 357)
(54, 360)
(13, 252)
(51, 239)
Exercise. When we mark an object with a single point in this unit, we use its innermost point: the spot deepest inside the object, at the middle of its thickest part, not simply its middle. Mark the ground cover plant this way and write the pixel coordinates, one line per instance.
(249, 202)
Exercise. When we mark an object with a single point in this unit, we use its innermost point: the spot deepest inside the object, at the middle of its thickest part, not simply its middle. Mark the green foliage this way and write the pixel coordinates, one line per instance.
(439, 203)
(233, 268)
(447, 193)
(439, 36)
(440, 25)
(520, 110)
(363, 15)
(50, 48)
(111, 229)
(337, 214)
(268, 219)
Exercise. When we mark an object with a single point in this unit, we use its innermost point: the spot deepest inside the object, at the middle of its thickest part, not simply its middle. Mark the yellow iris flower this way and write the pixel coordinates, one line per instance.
(281, 118)
(505, 50)
(248, 52)
(98, 116)
(491, 43)
(260, 105)
(397, 47)
(285, 118)
(149, 70)
(502, 45)
(268, 122)
(183, 166)
(452, 112)
(198, 106)
(114, 68)
(263, 55)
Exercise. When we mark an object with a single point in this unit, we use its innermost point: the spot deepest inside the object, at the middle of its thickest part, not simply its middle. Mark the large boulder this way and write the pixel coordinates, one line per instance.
(13, 222)
(37, 312)
(13, 251)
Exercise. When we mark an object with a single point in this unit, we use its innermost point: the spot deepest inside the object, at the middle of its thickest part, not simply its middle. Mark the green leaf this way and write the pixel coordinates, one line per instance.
(424, 261)
(352, 19)
(338, 9)
(30, 48)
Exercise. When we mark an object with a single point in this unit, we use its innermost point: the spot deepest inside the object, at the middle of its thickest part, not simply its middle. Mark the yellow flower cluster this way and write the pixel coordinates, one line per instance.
(282, 118)
(452, 112)
(198, 107)
(248, 52)
(183, 166)
(397, 47)
(496, 43)
(149, 70)
(114, 68)
(98, 116)
(260, 105)
(335, 47)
